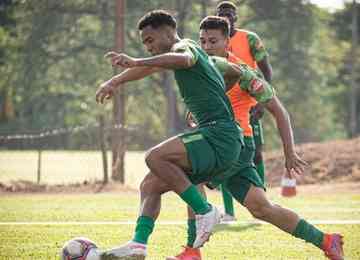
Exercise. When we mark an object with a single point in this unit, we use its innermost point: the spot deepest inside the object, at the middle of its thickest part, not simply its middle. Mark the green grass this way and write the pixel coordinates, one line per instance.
(232, 242)
(64, 167)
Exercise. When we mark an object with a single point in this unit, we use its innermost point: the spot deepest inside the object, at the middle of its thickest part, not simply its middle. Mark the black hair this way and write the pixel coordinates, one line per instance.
(156, 19)
(216, 22)
(226, 4)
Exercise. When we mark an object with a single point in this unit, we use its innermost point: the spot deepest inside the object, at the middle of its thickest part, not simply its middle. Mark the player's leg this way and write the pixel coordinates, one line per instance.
(253, 197)
(189, 252)
(189, 152)
(245, 159)
(151, 189)
(229, 214)
(288, 221)
(259, 142)
(169, 161)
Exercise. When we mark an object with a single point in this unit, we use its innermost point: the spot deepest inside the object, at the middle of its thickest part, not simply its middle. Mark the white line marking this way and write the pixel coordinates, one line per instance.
(84, 223)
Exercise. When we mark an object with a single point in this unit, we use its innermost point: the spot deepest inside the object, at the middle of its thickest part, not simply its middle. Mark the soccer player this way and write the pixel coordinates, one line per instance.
(244, 183)
(187, 159)
(249, 48)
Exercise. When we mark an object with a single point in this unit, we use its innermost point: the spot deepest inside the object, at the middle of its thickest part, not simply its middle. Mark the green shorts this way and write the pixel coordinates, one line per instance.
(243, 173)
(257, 132)
(212, 149)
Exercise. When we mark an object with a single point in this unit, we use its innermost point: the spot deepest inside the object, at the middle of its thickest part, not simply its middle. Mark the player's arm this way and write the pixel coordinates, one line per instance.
(231, 72)
(171, 60)
(181, 56)
(265, 67)
(260, 55)
(265, 95)
(292, 161)
(107, 89)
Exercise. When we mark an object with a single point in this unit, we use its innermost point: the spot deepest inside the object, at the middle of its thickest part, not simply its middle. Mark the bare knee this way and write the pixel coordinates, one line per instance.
(152, 156)
(145, 186)
(260, 210)
(151, 184)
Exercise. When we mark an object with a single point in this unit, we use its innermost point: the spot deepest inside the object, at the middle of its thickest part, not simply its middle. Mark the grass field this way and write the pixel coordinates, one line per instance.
(49, 222)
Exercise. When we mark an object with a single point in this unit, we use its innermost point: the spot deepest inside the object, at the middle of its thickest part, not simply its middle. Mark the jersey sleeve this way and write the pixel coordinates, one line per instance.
(253, 83)
(185, 47)
(257, 48)
(221, 64)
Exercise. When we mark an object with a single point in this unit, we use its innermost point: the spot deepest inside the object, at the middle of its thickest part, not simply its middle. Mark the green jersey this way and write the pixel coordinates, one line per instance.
(202, 87)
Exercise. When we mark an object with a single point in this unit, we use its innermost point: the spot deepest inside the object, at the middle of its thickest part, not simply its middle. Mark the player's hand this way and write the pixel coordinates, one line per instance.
(257, 111)
(294, 165)
(104, 92)
(121, 59)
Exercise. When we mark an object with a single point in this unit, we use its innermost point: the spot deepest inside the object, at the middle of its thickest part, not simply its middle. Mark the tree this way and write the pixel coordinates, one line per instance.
(347, 26)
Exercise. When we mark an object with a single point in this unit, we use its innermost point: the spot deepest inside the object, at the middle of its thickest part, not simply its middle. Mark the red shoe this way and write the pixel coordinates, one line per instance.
(189, 253)
(333, 246)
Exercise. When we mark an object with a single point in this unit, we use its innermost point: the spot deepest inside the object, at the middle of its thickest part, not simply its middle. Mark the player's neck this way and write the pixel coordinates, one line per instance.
(232, 31)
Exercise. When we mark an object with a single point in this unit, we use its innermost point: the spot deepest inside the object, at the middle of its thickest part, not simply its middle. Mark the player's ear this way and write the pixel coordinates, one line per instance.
(235, 18)
(227, 41)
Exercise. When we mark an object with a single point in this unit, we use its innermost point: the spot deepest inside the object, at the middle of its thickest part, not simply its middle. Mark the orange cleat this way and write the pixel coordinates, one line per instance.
(189, 253)
(333, 246)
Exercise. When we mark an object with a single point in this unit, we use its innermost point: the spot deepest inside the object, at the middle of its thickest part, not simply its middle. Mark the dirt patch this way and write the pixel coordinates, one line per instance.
(84, 187)
(330, 162)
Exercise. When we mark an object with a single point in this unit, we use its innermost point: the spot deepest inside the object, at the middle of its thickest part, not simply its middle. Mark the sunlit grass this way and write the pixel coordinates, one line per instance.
(238, 241)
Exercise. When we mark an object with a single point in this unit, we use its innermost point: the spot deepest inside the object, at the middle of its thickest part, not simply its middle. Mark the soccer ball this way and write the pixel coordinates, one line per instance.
(80, 248)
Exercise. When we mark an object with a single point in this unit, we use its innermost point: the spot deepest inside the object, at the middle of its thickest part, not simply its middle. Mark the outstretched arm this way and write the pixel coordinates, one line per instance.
(293, 161)
(170, 60)
(264, 94)
(107, 89)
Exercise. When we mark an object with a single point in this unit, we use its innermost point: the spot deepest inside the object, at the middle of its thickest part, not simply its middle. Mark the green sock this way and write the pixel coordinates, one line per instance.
(228, 201)
(191, 231)
(260, 168)
(195, 200)
(144, 228)
(309, 233)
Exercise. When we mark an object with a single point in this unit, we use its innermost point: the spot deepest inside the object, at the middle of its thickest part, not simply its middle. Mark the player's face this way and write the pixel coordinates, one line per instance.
(156, 41)
(228, 13)
(214, 42)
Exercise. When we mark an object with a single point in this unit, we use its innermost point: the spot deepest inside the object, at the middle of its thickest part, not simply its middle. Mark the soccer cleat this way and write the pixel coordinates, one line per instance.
(227, 218)
(188, 253)
(130, 251)
(333, 246)
(204, 226)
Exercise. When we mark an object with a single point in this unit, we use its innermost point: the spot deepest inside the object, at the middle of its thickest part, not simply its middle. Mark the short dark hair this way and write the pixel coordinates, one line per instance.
(216, 22)
(156, 19)
(226, 4)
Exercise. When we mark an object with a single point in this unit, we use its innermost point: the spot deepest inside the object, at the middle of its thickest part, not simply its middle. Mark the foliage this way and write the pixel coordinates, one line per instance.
(52, 59)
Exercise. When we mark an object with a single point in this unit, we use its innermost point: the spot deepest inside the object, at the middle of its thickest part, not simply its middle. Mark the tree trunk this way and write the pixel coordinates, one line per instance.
(103, 148)
(118, 133)
(353, 123)
(171, 119)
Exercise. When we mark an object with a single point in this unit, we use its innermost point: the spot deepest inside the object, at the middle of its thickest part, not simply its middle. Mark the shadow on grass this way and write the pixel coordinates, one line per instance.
(235, 227)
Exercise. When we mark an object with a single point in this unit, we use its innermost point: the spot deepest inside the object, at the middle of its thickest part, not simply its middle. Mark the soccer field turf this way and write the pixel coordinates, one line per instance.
(35, 226)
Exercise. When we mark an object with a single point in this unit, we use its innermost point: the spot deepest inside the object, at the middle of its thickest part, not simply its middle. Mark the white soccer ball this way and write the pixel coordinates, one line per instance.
(80, 248)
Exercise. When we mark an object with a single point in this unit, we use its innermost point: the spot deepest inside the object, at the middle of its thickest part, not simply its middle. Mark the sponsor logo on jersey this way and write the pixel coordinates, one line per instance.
(256, 86)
